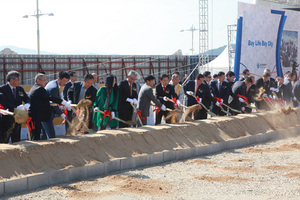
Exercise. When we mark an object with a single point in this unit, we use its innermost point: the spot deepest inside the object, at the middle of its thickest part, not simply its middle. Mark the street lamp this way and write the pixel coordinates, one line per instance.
(38, 15)
(192, 29)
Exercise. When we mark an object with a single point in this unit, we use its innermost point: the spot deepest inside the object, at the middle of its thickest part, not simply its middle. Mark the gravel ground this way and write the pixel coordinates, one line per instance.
(266, 171)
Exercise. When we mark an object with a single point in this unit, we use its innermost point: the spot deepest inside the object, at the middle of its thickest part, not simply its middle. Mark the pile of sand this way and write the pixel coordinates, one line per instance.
(30, 157)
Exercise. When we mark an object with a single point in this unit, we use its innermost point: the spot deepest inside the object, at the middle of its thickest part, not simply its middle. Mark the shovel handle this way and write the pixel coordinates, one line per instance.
(6, 112)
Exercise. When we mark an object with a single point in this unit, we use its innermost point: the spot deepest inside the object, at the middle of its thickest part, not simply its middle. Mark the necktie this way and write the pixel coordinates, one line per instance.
(248, 89)
(264, 84)
(220, 86)
(164, 88)
(130, 86)
(14, 92)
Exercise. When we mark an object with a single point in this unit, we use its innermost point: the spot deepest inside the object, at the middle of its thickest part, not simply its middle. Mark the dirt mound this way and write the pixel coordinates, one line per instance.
(29, 157)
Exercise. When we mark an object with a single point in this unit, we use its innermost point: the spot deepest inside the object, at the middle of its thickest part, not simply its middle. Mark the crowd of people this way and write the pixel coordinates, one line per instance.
(114, 105)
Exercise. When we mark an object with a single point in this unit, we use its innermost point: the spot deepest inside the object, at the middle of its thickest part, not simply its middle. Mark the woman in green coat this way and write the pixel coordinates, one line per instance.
(107, 99)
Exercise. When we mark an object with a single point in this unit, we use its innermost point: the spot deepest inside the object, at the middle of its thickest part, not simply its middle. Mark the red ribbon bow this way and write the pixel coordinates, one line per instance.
(175, 101)
(29, 124)
(139, 114)
(157, 109)
(243, 97)
(198, 99)
(107, 113)
(281, 100)
(1, 107)
(66, 113)
(218, 99)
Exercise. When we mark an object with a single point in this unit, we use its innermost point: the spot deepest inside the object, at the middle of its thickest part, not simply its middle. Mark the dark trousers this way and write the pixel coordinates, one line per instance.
(159, 117)
(126, 116)
(10, 129)
(202, 114)
(36, 132)
(217, 110)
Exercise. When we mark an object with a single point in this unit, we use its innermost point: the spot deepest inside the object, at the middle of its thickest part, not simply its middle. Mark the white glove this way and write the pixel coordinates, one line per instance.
(112, 114)
(3, 113)
(178, 102)
(294, 98)
(243, 109)
(26, 106)
(270, 96)
(96, 109)
(190, 92)
(265, 95)
(63, 116)
(274, 89)
(218, 104)
(129, 100)
(67, 104)
(200, 100)
(163, 107)
(21, 107)
(241, 100)
(165, 98)
(134, 101)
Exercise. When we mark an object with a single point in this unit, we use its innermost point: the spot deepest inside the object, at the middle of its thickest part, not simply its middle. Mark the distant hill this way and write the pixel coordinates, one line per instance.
(19, 50)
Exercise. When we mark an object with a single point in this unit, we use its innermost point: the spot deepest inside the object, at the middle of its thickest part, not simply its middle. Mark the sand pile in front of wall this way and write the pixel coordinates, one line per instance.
(29, 157)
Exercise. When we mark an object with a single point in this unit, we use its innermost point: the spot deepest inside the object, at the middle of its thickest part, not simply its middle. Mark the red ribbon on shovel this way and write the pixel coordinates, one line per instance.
(29, 124)
(139, 114)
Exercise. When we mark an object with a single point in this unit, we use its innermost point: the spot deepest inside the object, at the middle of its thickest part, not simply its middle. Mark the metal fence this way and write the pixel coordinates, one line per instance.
(102, 65)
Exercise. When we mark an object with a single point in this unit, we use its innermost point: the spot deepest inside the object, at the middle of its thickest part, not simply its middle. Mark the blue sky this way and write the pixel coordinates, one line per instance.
(139, 27)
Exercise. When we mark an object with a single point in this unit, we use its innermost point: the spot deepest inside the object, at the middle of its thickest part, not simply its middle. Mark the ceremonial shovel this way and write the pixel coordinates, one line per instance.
(137, 115)
(208, 111)
(121, 120)
(175, 103)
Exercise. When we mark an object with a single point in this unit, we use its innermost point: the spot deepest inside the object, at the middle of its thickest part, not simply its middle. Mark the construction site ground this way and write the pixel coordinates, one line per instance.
(265, 171)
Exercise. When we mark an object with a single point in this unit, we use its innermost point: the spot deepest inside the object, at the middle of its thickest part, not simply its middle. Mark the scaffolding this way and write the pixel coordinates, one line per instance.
(203, 36)
(231, 32)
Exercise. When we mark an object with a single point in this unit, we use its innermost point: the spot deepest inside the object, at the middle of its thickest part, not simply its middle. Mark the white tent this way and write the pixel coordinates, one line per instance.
(220, 63)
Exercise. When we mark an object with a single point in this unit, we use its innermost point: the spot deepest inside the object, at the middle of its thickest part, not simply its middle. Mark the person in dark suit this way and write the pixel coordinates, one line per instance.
(40, 109)
(192, 87)
(164, 89)
(127, 95)
(280, 87)
(220, 89)
(2, 122)
(230, 80)
(288, 95)
(197, 88)
(239, 88)
(73, 79)
(145, 97)
(272, 80)
(84, 90)
(53, 88)
(296, 90)
(246, 73)
(14, 96)
(251, 93)
(265, 84)
(206, 96)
